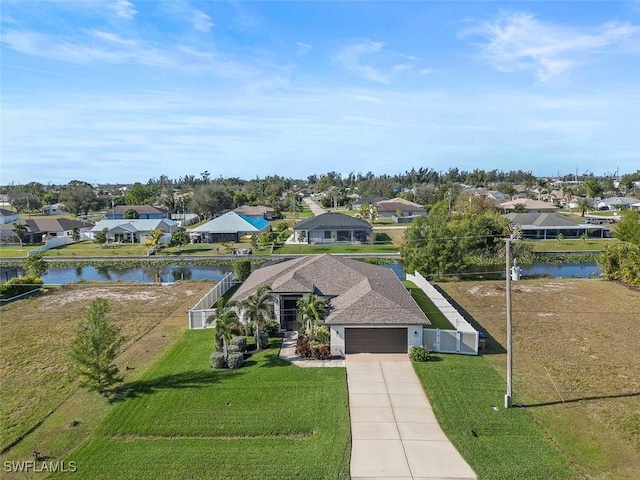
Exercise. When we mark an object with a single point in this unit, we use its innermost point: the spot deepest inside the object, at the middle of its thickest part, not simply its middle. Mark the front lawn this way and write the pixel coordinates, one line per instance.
(334, 248)
(594, 245)
(498, 443)
(181, 419)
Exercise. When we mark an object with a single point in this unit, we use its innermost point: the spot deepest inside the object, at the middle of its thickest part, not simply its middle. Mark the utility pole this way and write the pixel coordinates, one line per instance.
(508, 396)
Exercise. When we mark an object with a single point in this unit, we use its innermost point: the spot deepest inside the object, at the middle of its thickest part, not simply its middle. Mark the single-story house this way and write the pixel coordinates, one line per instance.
(8, 216)
(370, 309)
(53, 209)
(7, 273)
(400, 210)
(145, 212)
(39, 230)
(546, 226)
(332, 227)
(532, 206)
(636, 207)
(258, 211)
(133, 231)
(371, 200)
(229, 227)
(616, 203)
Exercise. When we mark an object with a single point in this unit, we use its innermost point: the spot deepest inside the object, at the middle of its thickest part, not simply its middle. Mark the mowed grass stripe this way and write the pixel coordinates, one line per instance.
(497, 443)
(275, 420)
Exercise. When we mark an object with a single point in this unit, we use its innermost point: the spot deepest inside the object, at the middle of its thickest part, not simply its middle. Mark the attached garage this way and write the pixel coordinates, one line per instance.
(376, 340)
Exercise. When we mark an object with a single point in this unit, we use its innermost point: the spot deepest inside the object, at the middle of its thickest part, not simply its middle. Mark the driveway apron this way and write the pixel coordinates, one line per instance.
(394, 432)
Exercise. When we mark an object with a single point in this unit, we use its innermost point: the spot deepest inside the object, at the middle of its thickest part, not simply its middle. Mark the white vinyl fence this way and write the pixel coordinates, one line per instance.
(464, 339)
(201, 310)
(54, 242)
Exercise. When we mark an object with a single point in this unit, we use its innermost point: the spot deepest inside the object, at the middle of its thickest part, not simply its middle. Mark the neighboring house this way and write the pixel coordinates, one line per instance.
(332, 227)
(39, 230)
(5, 201)
(7, 273)
(370, 309)
(133, 231)
(8, 216)
(532, 206)
(496, 195)
(145, 212)
(407, 210)
(371, 200)
(616, 203)
(259, 211)
(636, 207)
(229, 227)
(56, 227)
(54, 209)
(546, 226)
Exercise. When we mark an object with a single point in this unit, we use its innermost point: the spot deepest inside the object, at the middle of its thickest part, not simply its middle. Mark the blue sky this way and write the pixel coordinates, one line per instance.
(123, 91)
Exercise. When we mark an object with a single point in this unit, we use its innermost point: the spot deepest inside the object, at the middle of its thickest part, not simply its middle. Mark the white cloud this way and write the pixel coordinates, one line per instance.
(374, 61)
(521, 42)
(201, 21)
(122, 8)
(303, 48)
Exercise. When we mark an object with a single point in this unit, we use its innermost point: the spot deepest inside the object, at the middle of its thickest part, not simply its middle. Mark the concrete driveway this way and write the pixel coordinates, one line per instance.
(394, 432)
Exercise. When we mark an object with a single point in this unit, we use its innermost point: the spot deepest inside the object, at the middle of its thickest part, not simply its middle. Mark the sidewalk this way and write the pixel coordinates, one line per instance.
(394, 431)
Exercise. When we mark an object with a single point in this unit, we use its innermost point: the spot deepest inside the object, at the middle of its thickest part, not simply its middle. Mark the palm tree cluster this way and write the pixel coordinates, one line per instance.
(257, 310)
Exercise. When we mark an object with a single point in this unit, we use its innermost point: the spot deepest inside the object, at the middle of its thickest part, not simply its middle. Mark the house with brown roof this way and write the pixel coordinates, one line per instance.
(400, 210)
(530, 205)
(257, 211)
(370, 309)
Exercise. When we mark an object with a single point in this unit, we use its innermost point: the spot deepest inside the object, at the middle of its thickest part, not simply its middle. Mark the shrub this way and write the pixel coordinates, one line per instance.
(302, 333)
(322, 334)
(18, 286)
(302, 347)
(218, 361)
(233, 349)
(271, 327)
(235, 360)
(319, 350)
(419, 354)
(242, 269)
(263, 340)
(240, 342)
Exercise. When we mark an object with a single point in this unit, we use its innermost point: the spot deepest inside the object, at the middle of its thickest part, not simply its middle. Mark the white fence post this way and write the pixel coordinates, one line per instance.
(198, 314)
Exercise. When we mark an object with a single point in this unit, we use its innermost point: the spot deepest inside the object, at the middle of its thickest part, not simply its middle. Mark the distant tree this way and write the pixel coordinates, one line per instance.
(138, 194)
(101, 236)
(258, 308)
(583, 205)
(628, 229)
(180, 238)
(35, 266)
(593, 188)
(21, 231)
(210, 199)
(242, 269)
(520, 208)
(75, 234)
(95, 348)
(130, 214)
(79, 197)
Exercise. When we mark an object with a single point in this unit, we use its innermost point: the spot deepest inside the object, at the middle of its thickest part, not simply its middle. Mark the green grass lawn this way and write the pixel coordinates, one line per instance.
(590, 245)
(269, 419)
(438, 320)
(498, 444)
(330, 248)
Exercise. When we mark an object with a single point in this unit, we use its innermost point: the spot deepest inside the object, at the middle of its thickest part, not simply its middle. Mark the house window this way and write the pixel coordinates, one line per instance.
(344, 236)
(327, 234)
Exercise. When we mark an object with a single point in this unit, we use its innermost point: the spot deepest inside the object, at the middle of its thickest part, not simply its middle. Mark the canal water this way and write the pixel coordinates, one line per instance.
(174, 273)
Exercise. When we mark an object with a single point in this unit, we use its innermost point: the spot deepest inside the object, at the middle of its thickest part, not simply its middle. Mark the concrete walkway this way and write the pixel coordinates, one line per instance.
(394, 432)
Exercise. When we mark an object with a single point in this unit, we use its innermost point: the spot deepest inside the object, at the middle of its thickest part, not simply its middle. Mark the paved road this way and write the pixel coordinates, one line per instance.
(394, 431)
(313, 206)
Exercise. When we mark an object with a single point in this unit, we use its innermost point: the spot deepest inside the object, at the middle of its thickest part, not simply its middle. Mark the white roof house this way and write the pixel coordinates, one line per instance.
(133, 231)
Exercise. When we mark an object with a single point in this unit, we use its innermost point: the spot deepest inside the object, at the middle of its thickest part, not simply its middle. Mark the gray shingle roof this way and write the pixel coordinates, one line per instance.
(541, 220)
(333, 221)
(361, 293)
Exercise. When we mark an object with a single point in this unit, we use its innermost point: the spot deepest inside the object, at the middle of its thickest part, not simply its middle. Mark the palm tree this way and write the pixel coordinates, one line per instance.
(154, 240)
(258, 308)
(224, 318)
(311, 310)
(583, 205)
(21, 230)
